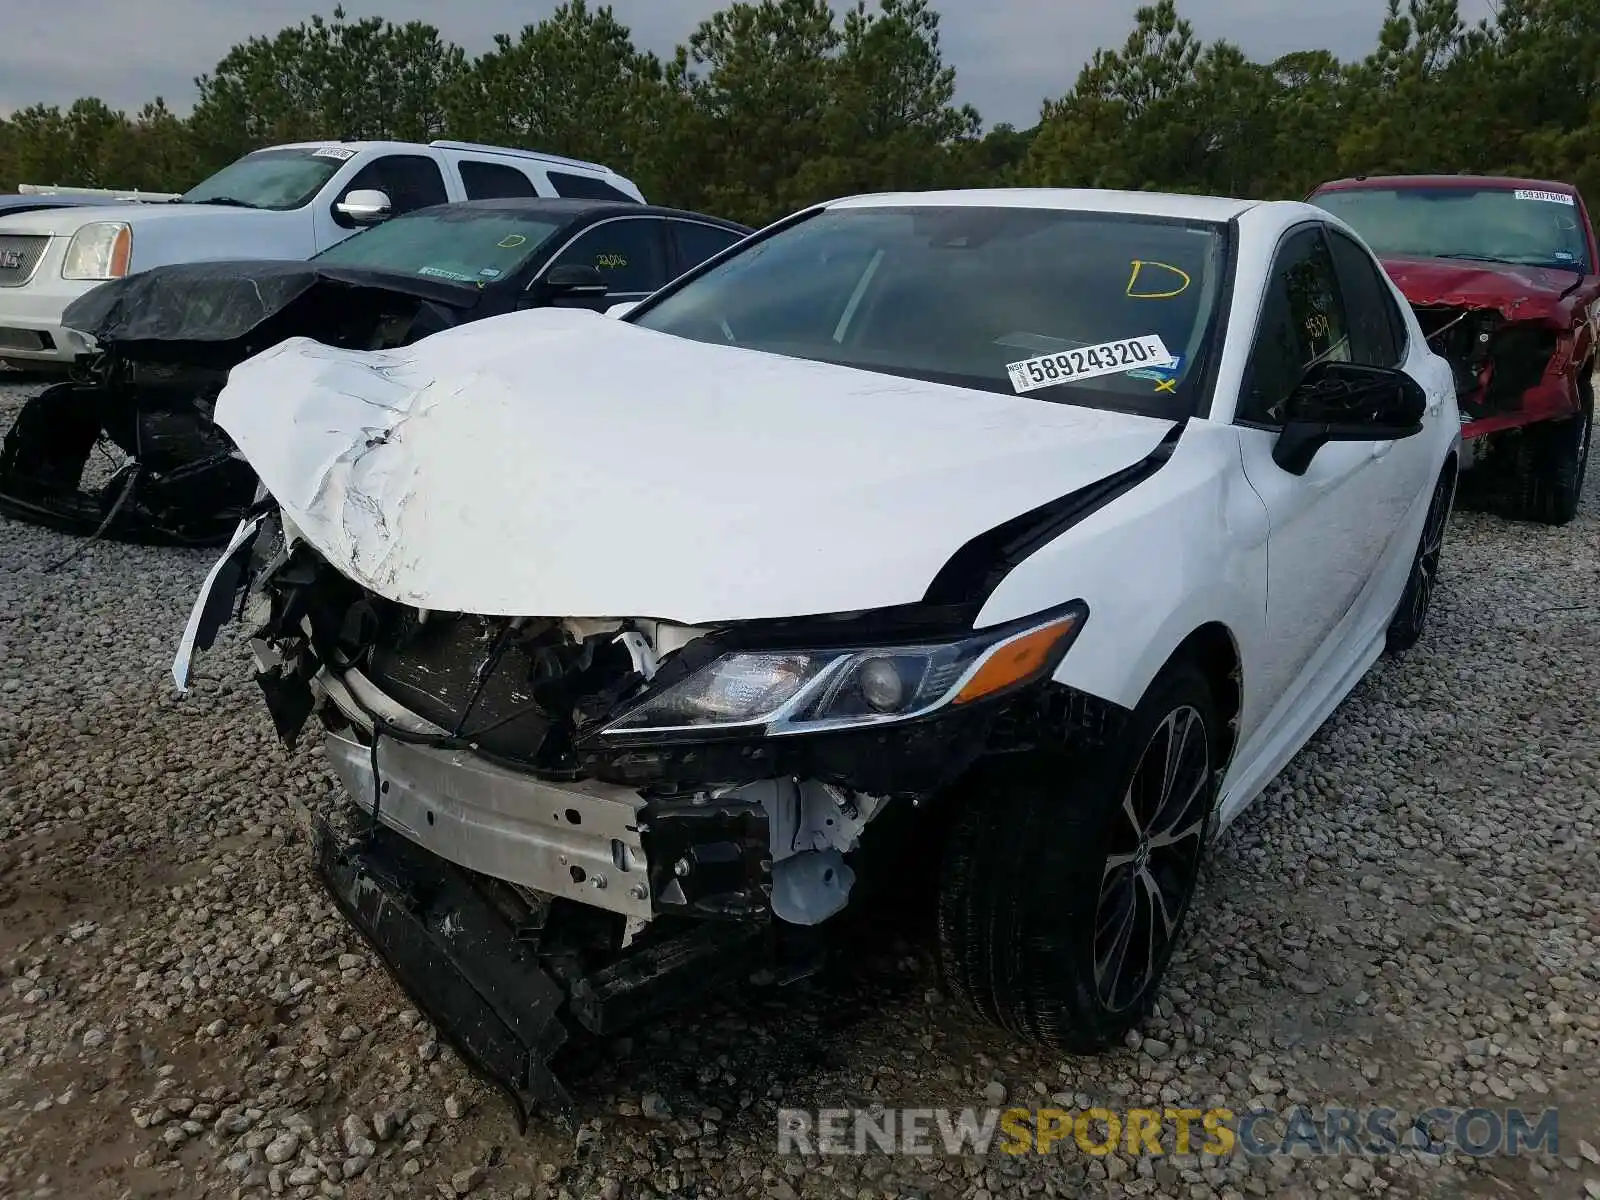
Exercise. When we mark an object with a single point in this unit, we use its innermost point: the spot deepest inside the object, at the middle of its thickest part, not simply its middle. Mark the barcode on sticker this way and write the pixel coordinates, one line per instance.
(1547, 197)
(1108, 358)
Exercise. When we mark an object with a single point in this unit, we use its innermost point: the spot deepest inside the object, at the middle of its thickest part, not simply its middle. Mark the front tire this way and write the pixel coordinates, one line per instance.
(1551, 462)
(1067, 876)
(1411, 614)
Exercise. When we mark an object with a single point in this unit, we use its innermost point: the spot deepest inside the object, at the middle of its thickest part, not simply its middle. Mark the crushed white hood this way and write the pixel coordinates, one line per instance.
(554, 462)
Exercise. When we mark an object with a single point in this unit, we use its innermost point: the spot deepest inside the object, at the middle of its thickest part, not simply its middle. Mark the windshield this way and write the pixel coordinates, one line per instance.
(1526, 227)
(453, 243)
(1104, 310)
(277, 179)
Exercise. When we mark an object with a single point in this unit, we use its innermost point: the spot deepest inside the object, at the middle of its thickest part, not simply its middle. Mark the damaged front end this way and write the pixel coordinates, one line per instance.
(1503, 367)
(128, 449)
(1510, 334)
(130, 454)
(557, 827)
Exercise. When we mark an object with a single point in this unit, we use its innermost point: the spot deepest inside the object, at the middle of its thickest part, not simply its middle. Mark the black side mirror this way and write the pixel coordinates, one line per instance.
(575, 280)
(1346, 402)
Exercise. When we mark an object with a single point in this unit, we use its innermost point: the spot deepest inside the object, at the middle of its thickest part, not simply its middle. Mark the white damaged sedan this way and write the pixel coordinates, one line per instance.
(1050, 524)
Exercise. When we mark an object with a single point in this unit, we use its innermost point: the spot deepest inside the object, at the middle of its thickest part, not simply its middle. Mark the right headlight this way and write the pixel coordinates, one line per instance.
(99, 250)
(776, 692)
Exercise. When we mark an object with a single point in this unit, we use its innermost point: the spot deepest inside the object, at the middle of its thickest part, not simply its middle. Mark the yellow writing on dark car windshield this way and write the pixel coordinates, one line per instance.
(1139, 264)
(511, 241)
(611, 261)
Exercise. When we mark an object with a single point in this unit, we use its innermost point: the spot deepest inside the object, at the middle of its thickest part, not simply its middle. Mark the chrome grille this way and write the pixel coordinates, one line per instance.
(19, 256)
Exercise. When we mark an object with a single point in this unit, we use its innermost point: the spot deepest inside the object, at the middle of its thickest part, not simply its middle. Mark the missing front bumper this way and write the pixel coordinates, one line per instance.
(578, 842)
(457, 957)
(475, 971)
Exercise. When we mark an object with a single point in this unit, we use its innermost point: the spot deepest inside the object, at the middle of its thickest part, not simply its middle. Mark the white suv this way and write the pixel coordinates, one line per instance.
(283, 202)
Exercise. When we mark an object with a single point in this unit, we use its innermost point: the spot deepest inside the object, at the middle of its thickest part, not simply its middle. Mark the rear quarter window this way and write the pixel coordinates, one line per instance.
(586, 187)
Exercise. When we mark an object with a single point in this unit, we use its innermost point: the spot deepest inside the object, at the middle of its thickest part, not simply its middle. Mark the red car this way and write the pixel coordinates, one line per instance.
(1502, 275)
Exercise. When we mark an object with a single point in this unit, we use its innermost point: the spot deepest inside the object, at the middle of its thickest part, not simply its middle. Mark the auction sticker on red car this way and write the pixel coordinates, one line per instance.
(1087, 362)
(1547, 197)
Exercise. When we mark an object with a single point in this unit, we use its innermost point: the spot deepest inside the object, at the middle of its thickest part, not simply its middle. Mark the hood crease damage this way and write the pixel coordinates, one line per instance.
(452, 475)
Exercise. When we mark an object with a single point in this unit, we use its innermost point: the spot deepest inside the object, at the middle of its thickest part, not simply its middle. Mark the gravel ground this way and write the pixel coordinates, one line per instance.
(1407, 918)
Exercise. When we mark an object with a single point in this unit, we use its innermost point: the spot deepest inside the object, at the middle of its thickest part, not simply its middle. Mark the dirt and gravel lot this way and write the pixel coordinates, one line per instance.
(1408, 918)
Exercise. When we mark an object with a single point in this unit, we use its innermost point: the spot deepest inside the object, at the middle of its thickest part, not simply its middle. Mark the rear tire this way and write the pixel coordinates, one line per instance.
(1048, 913)
(1552, 460)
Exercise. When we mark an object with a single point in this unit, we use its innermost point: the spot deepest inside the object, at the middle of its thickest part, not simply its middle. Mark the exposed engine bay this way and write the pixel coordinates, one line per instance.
(1495, 361)
(401, 692)
(127, 449)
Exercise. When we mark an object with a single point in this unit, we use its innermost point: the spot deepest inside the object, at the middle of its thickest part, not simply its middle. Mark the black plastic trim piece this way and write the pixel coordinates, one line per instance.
(973, 572)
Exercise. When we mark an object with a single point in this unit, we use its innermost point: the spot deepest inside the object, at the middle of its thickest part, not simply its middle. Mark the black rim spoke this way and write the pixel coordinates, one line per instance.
(1113, 938)
(1130, 814)
(1152, 855)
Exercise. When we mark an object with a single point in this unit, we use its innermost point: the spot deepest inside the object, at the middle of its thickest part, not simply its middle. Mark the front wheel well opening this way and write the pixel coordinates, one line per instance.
(1211, 648)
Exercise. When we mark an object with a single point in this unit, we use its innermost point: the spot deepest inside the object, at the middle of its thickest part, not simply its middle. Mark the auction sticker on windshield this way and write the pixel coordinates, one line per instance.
(443, 273)
(1547, 197)
(1088, 362)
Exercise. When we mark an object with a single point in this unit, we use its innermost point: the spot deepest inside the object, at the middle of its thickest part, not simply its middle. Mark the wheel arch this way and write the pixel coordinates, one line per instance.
(1453, 464)
(1213, 648)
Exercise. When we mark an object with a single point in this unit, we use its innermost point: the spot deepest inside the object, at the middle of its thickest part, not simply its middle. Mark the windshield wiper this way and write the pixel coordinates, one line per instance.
(226, 201)
(1546, 264)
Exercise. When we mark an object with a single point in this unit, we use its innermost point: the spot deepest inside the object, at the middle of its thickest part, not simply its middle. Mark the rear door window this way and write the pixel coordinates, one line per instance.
(492, 181)
(629, 252)
(697, 242)
(1377, 330)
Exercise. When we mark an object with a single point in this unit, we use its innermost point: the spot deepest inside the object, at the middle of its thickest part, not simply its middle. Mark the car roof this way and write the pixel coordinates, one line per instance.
(1216, 209)
(1402, 182)
(388, 145)
(568, 210)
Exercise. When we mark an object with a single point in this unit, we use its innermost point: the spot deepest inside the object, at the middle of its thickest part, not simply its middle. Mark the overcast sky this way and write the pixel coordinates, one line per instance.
(1008, 53)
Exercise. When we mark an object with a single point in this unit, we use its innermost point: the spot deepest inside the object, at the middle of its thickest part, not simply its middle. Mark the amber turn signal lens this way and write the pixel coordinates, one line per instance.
(121, 253)
(1016, 660)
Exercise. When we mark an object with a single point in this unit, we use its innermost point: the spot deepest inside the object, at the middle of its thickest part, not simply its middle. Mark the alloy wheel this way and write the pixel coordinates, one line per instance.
(1152, 859)
(1429, 551)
